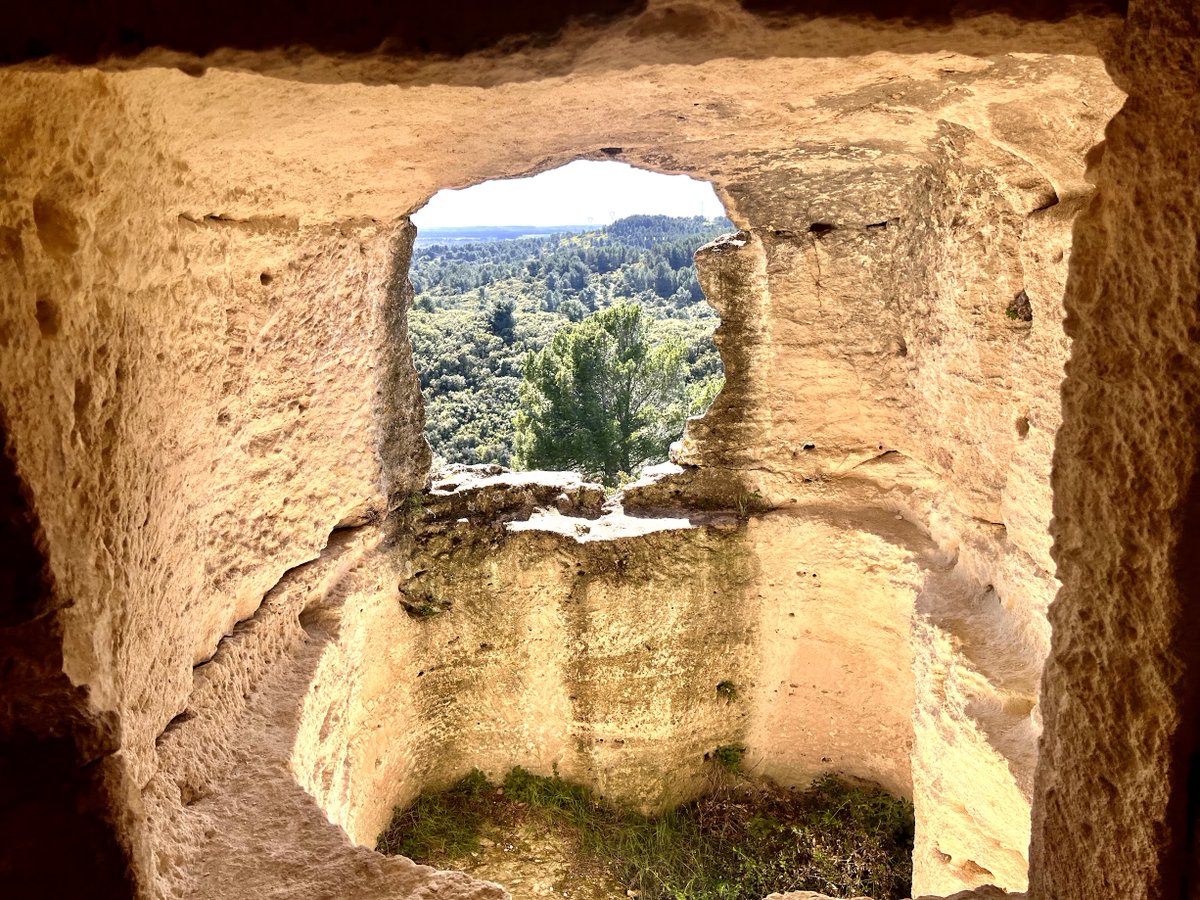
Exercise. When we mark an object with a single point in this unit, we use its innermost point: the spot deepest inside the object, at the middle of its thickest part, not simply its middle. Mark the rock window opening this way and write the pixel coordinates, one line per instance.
(558, 323)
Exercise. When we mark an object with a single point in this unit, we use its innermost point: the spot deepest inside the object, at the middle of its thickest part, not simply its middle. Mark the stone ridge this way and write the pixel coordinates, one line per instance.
(491, 493)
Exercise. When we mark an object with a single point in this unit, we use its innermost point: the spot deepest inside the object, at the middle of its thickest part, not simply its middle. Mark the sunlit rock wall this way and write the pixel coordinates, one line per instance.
(920, 327)
(595, 647)
(192, 401)
(201, 388)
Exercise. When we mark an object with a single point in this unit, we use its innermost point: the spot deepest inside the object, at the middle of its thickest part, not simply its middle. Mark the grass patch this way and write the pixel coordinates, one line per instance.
(835, 838)
(444, 826)
(729, 756)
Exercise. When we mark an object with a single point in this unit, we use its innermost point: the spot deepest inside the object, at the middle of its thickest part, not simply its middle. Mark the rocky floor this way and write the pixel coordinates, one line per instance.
(534, 861)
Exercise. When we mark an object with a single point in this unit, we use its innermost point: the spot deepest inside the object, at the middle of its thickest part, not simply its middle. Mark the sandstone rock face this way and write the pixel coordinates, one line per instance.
(182, 376)
(930, 417)
(233, 801)
(1122, 687)
(214, 431)
(595, 647)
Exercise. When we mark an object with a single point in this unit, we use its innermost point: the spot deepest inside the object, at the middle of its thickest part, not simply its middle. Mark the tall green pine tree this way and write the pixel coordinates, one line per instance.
(601, 399)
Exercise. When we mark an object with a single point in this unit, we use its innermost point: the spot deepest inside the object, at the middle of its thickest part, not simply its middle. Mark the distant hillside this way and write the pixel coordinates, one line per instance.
(476, 233)
(482, 306)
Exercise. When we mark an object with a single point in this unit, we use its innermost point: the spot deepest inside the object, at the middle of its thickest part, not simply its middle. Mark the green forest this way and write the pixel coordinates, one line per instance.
(550, 351)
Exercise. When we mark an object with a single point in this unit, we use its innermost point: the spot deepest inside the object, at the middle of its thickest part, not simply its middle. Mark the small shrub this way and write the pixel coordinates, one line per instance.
(727, 690)
(729, 756)
(542, 792)
(413, 504)
(1019, 308)
(422, 603)
(747, 504)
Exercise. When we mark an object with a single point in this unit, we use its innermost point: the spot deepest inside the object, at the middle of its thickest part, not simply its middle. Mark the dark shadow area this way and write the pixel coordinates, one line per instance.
(934, 12)
(61, 825)
(121, 29)
(1181, 862)
(85, 33)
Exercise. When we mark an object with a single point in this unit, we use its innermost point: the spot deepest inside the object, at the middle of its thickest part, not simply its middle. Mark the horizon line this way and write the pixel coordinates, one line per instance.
(559, 224)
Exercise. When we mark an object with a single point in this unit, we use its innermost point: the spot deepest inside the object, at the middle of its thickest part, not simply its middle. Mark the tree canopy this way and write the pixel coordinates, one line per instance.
(482, 306)
(601, 399)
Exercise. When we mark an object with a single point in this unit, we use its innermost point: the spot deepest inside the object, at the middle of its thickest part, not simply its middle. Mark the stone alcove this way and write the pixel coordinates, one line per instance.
(186, 432)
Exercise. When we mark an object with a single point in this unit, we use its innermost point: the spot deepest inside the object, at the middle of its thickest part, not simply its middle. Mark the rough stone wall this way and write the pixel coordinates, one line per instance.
(596, 658)
(590, 645)
(1117, 802)
(191, 400)
(595, 647)
(230, 804)
(933, 385)
(831, 686)
(984, 233)
(60, 780)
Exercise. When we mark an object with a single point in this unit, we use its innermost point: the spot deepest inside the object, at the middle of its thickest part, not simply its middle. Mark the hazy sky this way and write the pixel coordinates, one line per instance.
(580, 193)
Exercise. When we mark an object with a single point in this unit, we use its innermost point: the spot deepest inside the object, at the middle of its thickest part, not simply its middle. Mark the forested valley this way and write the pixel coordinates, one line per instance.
(500, 387)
